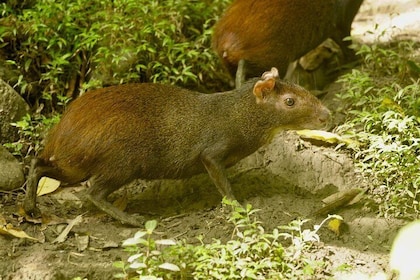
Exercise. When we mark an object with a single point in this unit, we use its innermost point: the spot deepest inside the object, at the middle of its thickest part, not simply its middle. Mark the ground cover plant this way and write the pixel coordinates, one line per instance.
(250, 253)
(62, 48)
(382, 105)
(56, 51)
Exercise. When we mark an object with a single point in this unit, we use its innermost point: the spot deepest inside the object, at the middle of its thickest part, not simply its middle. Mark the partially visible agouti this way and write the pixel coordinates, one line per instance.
(114, 135)
(266, 33)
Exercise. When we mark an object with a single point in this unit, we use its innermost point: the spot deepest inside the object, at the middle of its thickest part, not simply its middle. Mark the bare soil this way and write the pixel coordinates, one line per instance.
(286, 180)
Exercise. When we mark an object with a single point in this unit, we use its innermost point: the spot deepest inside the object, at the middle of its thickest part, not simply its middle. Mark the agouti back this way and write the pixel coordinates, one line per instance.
(266, 33)
(114, 135)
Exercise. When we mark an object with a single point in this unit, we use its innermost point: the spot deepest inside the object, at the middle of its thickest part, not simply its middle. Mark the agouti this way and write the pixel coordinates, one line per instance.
(266, 33)
(114, 135)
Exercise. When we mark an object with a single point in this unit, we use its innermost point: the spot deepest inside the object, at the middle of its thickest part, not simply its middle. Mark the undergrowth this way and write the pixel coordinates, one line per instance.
(251, 253)
(383, 114)
(62, 48)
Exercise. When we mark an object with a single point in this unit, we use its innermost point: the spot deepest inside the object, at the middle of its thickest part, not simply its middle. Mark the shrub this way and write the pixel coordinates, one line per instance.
(251, 253)
(61, 48)
(383, 113)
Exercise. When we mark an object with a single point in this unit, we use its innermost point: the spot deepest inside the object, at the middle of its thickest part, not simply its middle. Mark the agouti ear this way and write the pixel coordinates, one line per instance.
(263, 88)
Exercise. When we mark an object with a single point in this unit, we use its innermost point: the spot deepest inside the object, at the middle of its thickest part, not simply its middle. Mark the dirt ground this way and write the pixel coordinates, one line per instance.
(286, 180)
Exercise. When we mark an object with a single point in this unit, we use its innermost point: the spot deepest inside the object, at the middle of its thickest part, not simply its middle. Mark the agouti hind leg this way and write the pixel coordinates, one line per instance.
(36, 171)
(97, 194)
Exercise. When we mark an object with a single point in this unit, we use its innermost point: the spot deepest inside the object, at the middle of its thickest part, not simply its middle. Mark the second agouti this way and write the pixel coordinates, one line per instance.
(266, 33)
(114, 135)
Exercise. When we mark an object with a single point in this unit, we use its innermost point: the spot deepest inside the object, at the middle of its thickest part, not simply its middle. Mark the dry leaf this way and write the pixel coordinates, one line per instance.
(47, 185)
(82, 242)
(15, 232)
(324, 136)
(63, 235)
(45, 219)
(340, 199)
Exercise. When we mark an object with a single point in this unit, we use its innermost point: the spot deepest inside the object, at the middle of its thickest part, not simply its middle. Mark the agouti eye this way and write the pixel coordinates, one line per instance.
(289, 101)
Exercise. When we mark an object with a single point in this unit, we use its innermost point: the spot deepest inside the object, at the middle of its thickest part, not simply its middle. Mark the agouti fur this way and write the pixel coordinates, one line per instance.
(266, 33)
(114, 135)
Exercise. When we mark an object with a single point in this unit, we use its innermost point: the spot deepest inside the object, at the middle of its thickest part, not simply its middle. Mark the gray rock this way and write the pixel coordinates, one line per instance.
(11, 173)
(12, 108)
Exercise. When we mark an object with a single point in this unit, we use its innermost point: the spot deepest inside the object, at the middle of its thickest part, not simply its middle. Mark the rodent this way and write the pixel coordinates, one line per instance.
(113, 135)
(266, 33)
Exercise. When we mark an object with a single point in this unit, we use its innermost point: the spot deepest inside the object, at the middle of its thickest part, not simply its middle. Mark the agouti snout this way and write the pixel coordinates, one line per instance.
(114, 135)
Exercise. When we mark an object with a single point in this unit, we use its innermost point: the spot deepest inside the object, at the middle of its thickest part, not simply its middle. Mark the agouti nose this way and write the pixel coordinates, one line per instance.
(324, 115)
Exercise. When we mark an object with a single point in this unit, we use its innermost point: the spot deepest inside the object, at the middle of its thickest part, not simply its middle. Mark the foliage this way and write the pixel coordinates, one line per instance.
(251, 253)
(383, 113)
(61, 48)
(32, 131)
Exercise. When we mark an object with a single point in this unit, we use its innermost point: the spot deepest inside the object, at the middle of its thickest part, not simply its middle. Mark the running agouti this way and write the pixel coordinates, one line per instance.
(266, 33)
(114, 135)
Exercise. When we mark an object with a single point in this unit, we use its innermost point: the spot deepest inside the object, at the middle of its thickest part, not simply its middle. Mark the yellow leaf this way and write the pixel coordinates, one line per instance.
(334, 225)
(324, 136)
(47, 185)
(10, 230)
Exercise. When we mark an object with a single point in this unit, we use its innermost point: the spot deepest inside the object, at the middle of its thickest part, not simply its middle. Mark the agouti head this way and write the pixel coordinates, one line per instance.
(295, 108)
(114, 135)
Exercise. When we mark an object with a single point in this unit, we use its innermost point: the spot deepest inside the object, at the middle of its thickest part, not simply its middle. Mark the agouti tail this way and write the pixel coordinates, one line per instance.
(114, 135)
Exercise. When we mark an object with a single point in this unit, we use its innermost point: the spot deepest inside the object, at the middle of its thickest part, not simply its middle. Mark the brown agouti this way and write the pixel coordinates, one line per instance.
(114, 135)
(266, 33)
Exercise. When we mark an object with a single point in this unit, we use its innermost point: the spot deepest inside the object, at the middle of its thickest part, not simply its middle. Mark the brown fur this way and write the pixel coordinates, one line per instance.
(114, 135)
(267, 33)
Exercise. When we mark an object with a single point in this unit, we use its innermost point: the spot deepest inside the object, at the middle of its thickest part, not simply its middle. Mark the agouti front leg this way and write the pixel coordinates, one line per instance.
(217, 173)
(240, 74)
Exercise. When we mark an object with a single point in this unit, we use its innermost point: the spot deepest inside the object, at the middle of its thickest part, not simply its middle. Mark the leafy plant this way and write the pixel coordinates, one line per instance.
(32, 130)
(251, 253)
(382, 107)
(62, 48)
(149, 263)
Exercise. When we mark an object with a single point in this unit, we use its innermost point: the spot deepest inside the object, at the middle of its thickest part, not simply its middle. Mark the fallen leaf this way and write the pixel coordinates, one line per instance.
(15, 232)
(45, 218)
(47, 185)
(340, 199)
(335, 225)
(82, 242)
(63, 235)
(325, 136)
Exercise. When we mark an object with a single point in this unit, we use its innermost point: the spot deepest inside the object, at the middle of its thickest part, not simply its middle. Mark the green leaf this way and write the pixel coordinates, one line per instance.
(150, 226)
(170, 267)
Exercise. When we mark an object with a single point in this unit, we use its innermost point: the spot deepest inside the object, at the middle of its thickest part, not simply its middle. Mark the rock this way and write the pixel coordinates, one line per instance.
(11, 173)
(12, 109)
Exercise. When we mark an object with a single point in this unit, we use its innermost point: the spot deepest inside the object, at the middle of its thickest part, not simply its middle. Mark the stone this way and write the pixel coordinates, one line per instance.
(12, 108)
(11, 172)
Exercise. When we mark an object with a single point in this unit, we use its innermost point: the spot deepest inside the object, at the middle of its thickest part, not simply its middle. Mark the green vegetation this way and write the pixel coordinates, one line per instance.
(383, 114)
(56, 50)
(251, 253)
(61, 48)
